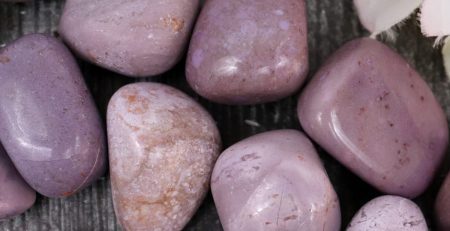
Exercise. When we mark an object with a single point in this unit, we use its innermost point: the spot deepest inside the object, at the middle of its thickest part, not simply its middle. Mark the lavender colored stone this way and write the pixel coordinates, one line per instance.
(49, 124)
(135, 38)
(369, 109)
(162, 148)
(247, 52)
(15, 194)
(442, 206)
(388, 213)
(274, 181)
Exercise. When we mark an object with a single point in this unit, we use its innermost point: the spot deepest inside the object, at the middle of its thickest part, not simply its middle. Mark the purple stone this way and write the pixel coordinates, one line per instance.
(136, 38)
(389, 213)
(49, 124)
(247, 52)
(369, 109)
(274, 181)
(15, 194)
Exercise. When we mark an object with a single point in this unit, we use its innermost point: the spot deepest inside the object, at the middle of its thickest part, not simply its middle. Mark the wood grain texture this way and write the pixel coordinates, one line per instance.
(330, 22)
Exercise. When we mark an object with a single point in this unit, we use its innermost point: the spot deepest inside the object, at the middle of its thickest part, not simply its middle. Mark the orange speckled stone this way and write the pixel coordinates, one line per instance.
(162, 147)
(136, 38)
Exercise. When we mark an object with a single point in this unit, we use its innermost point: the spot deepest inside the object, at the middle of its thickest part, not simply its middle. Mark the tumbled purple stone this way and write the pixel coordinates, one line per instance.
(15, 194)
(274, 181)
(372, 111)
(389, 213)
(247, 52)
(49, 124)
(136, 38)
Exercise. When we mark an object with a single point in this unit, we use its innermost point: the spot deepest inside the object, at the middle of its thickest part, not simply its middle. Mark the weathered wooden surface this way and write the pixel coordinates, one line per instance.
(331, 23)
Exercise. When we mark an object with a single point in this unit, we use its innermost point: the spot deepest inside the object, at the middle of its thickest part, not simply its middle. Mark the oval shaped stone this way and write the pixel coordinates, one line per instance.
(442, 206)
(49, 124)
(135, 38)
(389, 213)
(162, 147)
(15, 194)
(369, 109)
(247, 52)
(274, 181)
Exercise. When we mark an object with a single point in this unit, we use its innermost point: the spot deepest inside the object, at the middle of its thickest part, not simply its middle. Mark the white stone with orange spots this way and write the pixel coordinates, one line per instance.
(162, 147)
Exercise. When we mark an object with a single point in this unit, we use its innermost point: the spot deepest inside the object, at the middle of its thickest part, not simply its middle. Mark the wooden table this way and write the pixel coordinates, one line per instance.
(330, 22)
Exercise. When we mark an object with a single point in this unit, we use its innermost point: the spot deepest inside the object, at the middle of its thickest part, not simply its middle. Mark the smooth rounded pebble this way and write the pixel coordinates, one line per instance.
(388, 213)
(136, 38)
(371, 110)
(274, 181)
(162, 147)
(248, 52)
(49, 124)
(15, 194)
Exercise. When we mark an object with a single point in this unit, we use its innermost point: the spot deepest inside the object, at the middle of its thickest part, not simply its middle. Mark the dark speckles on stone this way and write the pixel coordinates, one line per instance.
(363, 214)
(361, 110)
(404, 160)
(4, 59)
(256, 168)
(383, 96)
(251, 156)
(405, 146)
(431, 145)
(412, 223)
(291, 217)
(422, 98)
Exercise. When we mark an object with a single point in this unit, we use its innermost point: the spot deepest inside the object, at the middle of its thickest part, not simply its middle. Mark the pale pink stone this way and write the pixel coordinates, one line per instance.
(162, 147)
(389, 213)
(274, 181)
(135, 38)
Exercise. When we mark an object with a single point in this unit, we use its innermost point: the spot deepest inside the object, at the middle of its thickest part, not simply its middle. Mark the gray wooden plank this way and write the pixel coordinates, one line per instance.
(331, 23)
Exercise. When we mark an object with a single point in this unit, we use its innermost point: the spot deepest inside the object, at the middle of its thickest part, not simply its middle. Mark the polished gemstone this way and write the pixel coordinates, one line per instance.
(372, 111)
(247, 52)
(136, 38)
(49, 124)
(162, 147)
(274, 181)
